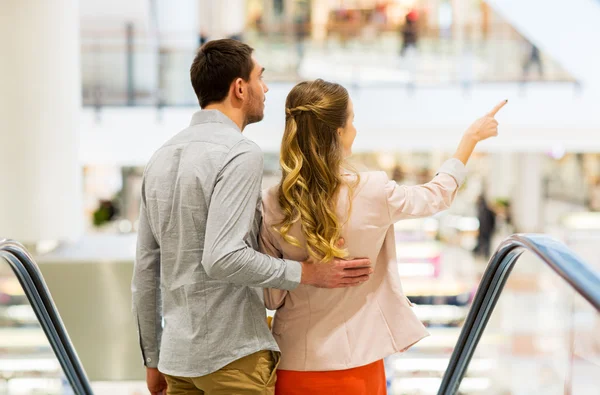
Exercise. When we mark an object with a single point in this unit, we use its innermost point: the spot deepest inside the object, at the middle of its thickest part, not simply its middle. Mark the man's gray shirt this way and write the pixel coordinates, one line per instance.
(196, 267)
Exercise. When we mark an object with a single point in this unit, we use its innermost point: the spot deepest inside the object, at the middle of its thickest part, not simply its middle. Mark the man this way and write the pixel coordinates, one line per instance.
(201, 322)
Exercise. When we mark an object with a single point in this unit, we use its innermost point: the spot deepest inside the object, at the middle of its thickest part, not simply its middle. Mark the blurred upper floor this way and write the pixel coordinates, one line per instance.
(140, 55)
(422, 67)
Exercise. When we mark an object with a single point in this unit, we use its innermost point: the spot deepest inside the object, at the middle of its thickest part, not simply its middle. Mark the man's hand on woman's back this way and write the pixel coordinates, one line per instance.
(338, 273)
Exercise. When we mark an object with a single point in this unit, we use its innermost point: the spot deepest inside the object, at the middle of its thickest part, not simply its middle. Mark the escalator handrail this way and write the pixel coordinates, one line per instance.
(37, 293)
(572, 269)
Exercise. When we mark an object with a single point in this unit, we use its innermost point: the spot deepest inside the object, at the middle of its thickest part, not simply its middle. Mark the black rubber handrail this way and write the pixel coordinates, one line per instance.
(580, 276)
(35, 288)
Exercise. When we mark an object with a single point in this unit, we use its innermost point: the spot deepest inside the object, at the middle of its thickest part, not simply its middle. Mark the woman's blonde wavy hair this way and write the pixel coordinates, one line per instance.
(311, 161)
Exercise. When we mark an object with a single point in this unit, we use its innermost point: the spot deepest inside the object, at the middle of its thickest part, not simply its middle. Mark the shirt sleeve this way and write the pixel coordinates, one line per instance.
(231, 215)
(406, 202)
(145, 289)
(274, 298)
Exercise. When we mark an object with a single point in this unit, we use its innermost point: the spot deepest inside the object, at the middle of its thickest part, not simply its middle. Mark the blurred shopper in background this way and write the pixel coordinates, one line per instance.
(397, 173)
(534, 58)
(409, 32)
(334, 341)
(487, 225)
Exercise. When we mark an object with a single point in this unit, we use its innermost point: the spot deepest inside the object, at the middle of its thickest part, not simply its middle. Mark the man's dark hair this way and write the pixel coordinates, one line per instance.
(217, 64)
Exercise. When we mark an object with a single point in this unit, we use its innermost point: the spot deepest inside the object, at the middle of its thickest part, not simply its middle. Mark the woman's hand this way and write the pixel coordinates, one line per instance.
(483, 128)
(486, 126)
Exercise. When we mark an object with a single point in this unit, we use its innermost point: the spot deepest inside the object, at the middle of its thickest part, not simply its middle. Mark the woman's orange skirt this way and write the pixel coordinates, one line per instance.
(364, 380)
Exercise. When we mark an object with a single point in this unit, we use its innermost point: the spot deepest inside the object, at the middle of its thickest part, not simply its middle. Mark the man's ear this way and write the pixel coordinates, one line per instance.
(239, 89)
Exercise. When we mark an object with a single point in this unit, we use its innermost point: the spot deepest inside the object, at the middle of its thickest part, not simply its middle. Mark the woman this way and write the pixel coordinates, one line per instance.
(334, 341)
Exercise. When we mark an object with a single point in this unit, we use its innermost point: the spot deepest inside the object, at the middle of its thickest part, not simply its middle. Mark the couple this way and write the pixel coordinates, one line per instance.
(319, 248)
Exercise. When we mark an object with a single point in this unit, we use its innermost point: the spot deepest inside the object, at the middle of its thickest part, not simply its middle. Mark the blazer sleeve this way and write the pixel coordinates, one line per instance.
(405, 202)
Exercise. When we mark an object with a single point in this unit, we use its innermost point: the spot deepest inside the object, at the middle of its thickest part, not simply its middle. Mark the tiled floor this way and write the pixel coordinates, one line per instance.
(119, 388)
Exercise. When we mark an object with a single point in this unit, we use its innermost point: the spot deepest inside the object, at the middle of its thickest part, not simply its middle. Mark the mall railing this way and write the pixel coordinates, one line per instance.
(131, 67)
(555, 255)
(37, 293)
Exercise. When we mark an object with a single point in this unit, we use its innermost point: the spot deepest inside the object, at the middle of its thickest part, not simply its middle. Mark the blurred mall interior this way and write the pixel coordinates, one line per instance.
(89, 89)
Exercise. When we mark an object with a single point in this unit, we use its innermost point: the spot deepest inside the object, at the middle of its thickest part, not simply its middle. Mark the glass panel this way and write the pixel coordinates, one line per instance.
(585, 355)
(27, 362)
(104, 76)
(174, 78)
(440, 279)
(536, 341)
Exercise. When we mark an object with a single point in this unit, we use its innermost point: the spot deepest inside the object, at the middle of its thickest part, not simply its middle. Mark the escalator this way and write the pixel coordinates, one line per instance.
(41, 358)
(554, 348)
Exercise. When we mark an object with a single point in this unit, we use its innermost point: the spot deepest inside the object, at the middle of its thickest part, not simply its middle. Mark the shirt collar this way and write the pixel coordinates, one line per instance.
(212, 116)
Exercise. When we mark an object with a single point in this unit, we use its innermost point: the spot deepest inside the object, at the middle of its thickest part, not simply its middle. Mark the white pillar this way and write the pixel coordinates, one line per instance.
(40, 105)
(222, 19)
(320, 15)
(527, 196)
(500, 179)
